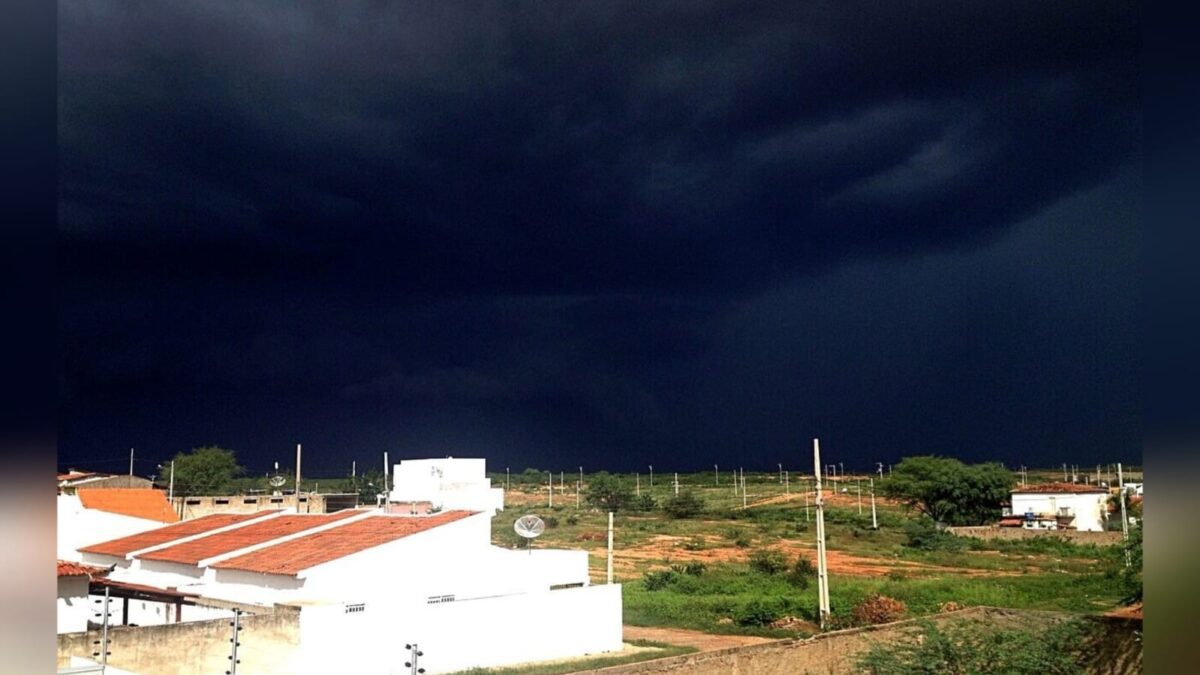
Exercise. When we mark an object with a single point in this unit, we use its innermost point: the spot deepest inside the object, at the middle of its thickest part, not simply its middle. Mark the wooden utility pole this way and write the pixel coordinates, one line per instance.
(822, 570)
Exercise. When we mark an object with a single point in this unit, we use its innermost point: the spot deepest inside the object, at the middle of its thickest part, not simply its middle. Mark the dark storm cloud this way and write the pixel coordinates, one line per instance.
(526, 211)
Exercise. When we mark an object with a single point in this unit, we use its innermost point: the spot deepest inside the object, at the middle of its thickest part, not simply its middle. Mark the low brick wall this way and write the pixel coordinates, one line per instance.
(269, 640)
(836, 652)
(993, 532)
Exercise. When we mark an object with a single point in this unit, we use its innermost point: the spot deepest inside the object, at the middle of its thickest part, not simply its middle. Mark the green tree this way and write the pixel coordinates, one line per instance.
(207, 470)
(607, 492)
(368, 484)
(949, 491)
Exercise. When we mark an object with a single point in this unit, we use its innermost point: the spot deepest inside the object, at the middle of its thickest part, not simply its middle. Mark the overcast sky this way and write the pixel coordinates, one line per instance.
(608, 234)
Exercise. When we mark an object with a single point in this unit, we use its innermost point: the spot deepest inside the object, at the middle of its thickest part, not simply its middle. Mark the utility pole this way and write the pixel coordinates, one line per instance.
(550, 486)
(1124, 517)
(233, 641)
(676, 483)
(610, 546)
(822, 571)
(1064, 472)
(131, 462)
(506, 483)
(780, 471)
(743, 490)
(651, 476)
(297, 474)
(562, 481)
(171, 485)
(787, 484)
(716, 476)
(879, 466)
(386, 491)
(874, 518)
(858, 486)
(637, 484)
(353, 469)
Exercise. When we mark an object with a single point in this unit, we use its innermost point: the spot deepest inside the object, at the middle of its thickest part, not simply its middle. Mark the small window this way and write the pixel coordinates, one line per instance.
(192, 502)
(221, 501)
(276, 500)
(304, 499)
(250, 500)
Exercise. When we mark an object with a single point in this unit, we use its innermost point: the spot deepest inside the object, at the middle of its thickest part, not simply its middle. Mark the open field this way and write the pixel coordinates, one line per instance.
(703, 579)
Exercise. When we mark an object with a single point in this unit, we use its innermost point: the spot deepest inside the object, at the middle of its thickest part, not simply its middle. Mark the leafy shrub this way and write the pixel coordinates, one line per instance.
(572, 519)
(979, 647)
(550, 520)
(693, 569)
(768, 561)
(757, 612)
(695, 544)
(643, 503)
(802, 572)
(684, 505)
(878, 609)
(924, 535)
(896, 575)
(658, 580)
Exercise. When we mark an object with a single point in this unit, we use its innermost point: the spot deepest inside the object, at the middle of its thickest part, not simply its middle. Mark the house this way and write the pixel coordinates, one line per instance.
(431, 485)
(90, 515)
(1057, 506)
(72, 480)
(366, 582)
(74, 610)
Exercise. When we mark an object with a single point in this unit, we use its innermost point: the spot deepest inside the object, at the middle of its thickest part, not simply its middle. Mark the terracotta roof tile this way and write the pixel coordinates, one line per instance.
(134, 542)
(192, 552)
(137, 502)
(291, 557)
(67, 568)
(1057, 488)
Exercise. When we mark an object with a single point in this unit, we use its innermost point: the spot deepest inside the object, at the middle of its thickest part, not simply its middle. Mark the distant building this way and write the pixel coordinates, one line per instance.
(1059, 506)
(90, 515)
(73, 480)
(74, 611)
(306, 502)
(432, 485)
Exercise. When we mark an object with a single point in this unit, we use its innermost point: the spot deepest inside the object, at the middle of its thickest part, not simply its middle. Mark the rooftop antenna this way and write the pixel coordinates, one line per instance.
(529, 527)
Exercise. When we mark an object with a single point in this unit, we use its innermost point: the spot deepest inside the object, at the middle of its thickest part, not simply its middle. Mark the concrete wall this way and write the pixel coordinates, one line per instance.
(269, 644)
(369, 639)
(1089, 509)
(73, 608)
(993, 532)
(195, 507)
(447, 484)
(836, 652)
(106, 482)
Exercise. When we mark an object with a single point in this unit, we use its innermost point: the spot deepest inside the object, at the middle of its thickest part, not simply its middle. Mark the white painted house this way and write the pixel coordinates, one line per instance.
(1061, 506)
(73, 609)
(93, 515)
(367, 582)
(445, 484)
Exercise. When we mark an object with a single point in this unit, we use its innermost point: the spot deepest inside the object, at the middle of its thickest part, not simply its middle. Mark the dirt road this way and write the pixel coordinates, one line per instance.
(691, 638)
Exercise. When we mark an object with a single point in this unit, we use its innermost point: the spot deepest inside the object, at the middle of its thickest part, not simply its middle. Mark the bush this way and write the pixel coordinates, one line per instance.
(572, 519)
(692, 569)
(924, 535)
(878, 609)
(658, 580)
(695, 544)
(802, 572)
(550, 520)
(607, 492)
(758, 612)
(979, 647)
(768, 561)
(643, 503)
(684, 505)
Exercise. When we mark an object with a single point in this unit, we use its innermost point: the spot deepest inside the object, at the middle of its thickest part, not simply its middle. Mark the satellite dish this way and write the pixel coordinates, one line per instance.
(277, 481)
(529, 526)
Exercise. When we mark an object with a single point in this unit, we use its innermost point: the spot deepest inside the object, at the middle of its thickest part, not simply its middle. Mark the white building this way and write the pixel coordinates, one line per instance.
(73, 608)
(1056, 506)
(431, 485)
(95, 515)
(367, 582)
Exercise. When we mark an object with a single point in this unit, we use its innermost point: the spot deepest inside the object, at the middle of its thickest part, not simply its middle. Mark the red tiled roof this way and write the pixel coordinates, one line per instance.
(192, 552)
(291, 557)
(67, 568)
(137, 502)
(72, 475)
(134, 542)
(1057, 488)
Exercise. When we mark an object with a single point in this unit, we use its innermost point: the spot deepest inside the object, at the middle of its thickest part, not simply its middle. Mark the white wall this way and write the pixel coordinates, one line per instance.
(73, 608)
(1089, 508)
(78, 527)
(463, 634)
(447, 484)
